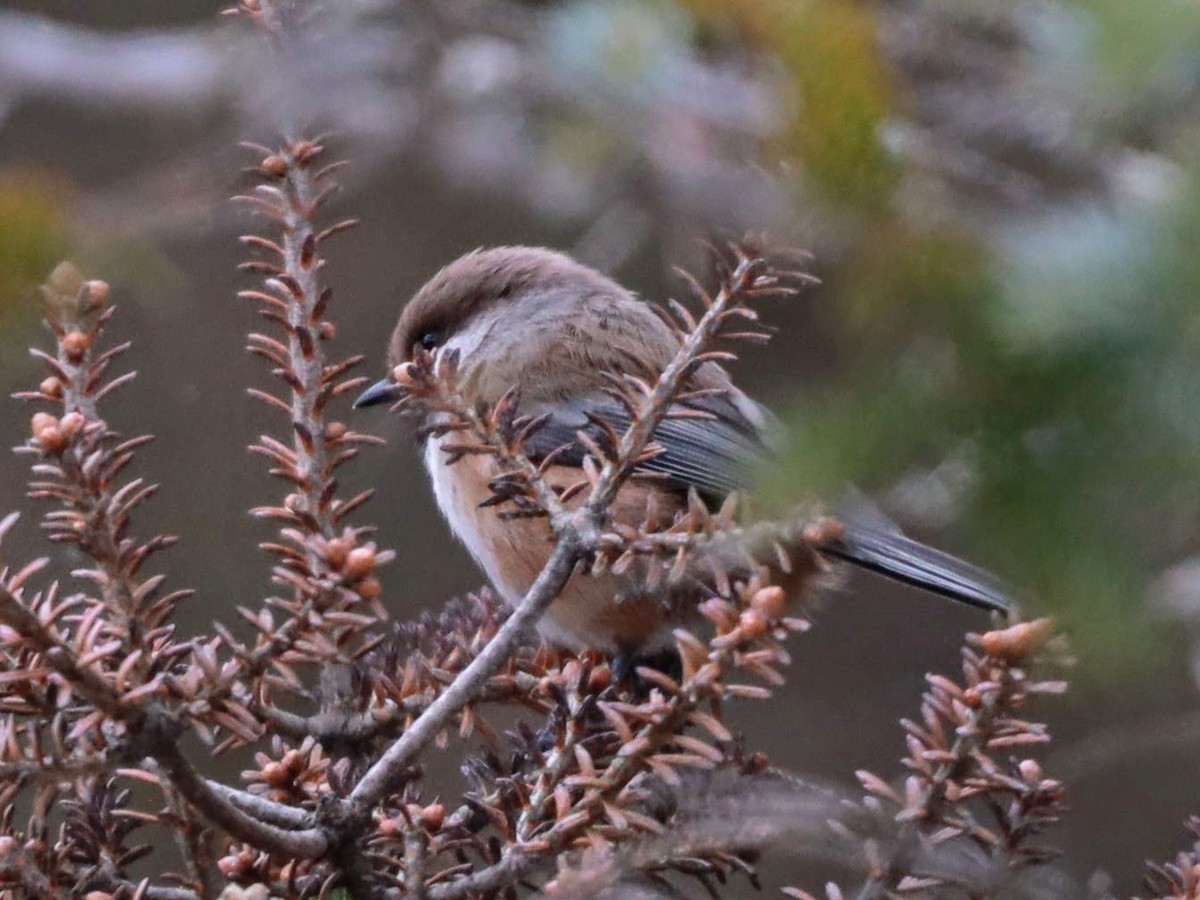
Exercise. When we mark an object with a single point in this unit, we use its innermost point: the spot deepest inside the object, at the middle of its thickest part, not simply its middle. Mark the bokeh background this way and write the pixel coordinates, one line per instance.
(1002, 201)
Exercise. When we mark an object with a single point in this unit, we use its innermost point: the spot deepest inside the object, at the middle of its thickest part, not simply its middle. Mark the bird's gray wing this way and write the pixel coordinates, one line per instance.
(718, 454)
(713, 446)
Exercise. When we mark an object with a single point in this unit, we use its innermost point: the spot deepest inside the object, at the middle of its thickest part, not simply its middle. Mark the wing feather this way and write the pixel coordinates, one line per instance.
(716, 454)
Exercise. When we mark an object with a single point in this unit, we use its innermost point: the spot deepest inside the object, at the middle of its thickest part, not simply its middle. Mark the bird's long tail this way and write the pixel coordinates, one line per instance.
(902, 559)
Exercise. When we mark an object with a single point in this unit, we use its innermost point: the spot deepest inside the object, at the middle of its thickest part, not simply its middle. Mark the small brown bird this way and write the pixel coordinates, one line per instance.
(539, 320)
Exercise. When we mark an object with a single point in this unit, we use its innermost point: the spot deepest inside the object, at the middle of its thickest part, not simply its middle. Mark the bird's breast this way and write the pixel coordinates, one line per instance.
(599, 612)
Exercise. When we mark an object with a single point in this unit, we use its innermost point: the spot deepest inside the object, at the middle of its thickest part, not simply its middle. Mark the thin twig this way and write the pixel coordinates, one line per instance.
(216, 806)
(288, 817)
(466, 688)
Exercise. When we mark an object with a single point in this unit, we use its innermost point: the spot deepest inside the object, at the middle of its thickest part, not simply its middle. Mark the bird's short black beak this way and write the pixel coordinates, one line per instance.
(385, 391)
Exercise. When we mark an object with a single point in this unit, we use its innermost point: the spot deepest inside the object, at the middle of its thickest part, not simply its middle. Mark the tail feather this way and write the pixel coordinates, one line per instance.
(893, 555)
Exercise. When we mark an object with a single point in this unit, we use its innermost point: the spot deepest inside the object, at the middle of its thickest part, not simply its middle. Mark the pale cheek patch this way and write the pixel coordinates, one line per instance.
(468, 340)
(495, 356)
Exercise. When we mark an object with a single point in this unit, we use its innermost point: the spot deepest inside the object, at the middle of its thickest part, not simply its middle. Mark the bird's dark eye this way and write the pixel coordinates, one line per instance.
(429, 340)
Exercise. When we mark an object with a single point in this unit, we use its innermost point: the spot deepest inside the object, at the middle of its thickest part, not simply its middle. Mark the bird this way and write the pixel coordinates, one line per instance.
(558, 329)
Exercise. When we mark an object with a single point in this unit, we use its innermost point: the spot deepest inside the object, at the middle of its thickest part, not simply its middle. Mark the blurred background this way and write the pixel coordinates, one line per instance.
(1002, 201)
